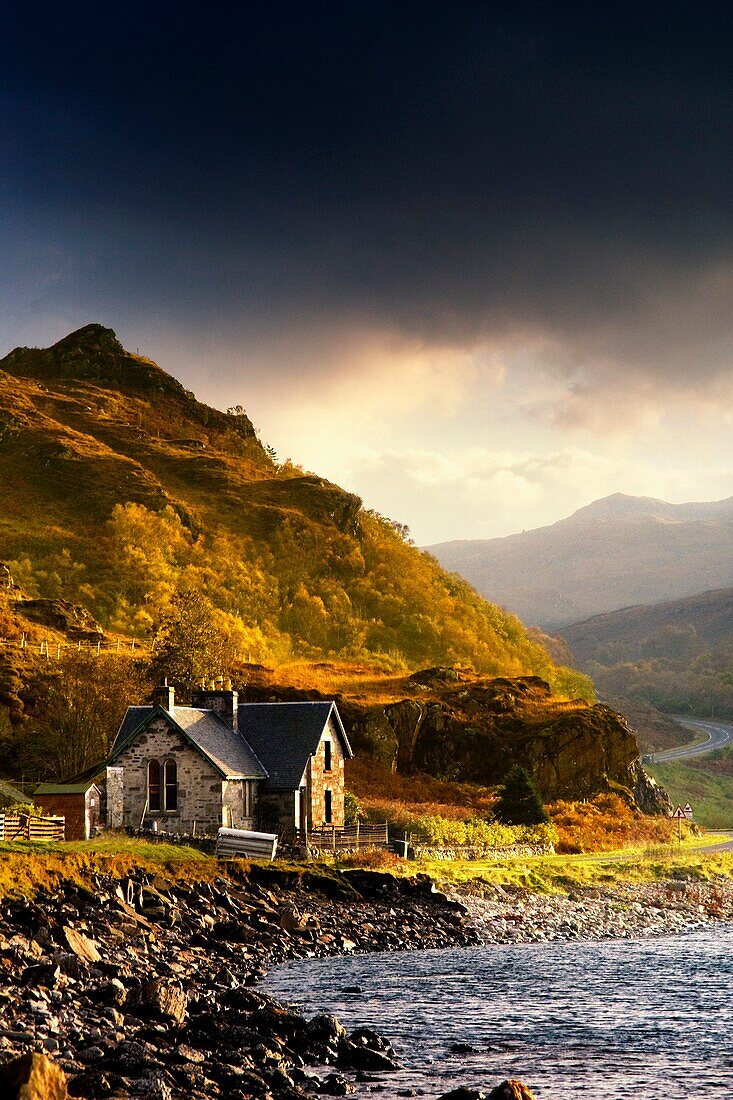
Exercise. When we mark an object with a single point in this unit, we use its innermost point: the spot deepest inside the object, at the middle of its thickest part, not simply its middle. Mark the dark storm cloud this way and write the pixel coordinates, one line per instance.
(458, 172)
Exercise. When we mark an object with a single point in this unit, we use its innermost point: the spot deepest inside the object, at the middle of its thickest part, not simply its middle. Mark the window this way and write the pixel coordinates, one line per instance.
(171, 785)
(154, 786)
(328, 807)
(247, 793)
(327, 756)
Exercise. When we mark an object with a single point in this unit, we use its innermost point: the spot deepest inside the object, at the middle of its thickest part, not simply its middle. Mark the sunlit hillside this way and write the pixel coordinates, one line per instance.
(118, 488)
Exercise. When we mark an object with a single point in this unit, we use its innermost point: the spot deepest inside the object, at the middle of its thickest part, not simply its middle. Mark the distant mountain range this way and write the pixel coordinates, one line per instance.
(616, 552)
(673, 630)
(676, 655)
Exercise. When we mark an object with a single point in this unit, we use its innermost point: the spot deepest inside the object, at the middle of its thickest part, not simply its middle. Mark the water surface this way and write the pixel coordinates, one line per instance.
(648, 1019)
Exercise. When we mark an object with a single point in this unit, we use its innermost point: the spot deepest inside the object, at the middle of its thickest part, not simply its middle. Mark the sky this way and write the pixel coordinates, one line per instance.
(470, 260)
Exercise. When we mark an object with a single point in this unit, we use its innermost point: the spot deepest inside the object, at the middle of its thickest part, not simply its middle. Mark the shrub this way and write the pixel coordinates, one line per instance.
(605, 823)
(352, 809)
(18, 808)
(375, 859)
(434, 831)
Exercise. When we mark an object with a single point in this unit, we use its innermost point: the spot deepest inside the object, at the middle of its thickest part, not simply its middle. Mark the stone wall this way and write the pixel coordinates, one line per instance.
(319, 781)
(199, 784)
(235, 802)
(516, 851)
(277, 812)
(115, 797)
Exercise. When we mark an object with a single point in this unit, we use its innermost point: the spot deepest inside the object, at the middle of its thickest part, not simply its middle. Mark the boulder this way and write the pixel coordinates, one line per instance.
(511, 1089)
(335, 1085)
(81, 945)
(353, 1056)
(324, 1028)
(47, 974)
(32, 1077)
(159, 998)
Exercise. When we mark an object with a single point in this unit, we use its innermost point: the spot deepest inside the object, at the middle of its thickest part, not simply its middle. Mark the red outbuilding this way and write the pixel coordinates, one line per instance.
(79, 803)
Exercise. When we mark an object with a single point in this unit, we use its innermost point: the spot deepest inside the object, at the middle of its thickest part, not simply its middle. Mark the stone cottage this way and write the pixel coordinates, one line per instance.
(272, 766)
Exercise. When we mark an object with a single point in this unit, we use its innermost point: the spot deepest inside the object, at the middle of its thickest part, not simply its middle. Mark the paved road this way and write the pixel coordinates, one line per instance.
(726, 843)
(718, 735)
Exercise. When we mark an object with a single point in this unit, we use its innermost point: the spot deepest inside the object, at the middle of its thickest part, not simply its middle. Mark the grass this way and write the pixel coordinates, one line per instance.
(26, 867)
(559, 874)
(711, 795)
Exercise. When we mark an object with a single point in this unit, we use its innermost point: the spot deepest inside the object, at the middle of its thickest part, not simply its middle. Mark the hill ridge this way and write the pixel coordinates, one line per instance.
(674, 654)
(117, 487)
(90, 352)
(601, 558)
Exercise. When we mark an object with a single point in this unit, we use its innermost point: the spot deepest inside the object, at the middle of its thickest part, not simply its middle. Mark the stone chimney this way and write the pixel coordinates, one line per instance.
(220, 697)
(165, 697)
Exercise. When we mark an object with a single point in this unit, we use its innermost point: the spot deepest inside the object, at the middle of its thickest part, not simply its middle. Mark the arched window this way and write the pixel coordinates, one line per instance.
(171, 785)
(154, 786)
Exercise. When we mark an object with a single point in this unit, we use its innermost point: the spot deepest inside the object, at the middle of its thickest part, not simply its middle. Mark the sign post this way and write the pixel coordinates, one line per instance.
(679, 813)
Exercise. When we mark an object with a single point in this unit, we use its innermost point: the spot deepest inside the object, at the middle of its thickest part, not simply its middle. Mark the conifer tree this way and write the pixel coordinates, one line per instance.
(519, 801)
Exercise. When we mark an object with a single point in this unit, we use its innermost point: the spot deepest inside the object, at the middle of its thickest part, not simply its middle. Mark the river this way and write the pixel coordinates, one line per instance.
(647, 1018)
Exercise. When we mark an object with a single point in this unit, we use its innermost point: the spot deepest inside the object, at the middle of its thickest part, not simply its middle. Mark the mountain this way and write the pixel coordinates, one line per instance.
(120, 493)
(677, 655)
(118, 488)
(618, 551)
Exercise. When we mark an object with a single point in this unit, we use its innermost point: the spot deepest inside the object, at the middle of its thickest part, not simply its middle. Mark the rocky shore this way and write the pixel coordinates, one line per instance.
(140, 988)
(504, 915)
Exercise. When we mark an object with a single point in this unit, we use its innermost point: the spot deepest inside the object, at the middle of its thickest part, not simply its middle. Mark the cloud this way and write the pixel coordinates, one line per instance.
(481, 493)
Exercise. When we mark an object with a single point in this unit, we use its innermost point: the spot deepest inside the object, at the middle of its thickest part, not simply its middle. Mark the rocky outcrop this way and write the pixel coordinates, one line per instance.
(91, 353)
(468, 728)
(71, 620)
(648, 795)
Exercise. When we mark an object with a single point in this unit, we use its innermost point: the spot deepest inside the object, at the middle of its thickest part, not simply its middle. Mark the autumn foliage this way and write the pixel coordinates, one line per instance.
(606, 823)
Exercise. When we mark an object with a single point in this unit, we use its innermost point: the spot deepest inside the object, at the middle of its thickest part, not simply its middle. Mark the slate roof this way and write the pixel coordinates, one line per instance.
(10, 794)
(134, 717)
(204, 729)
(62, 788)
(284, 735)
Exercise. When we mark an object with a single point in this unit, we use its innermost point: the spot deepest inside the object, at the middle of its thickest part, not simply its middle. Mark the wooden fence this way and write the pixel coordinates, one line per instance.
(349, 838)
(27, 827)
(56, 650)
